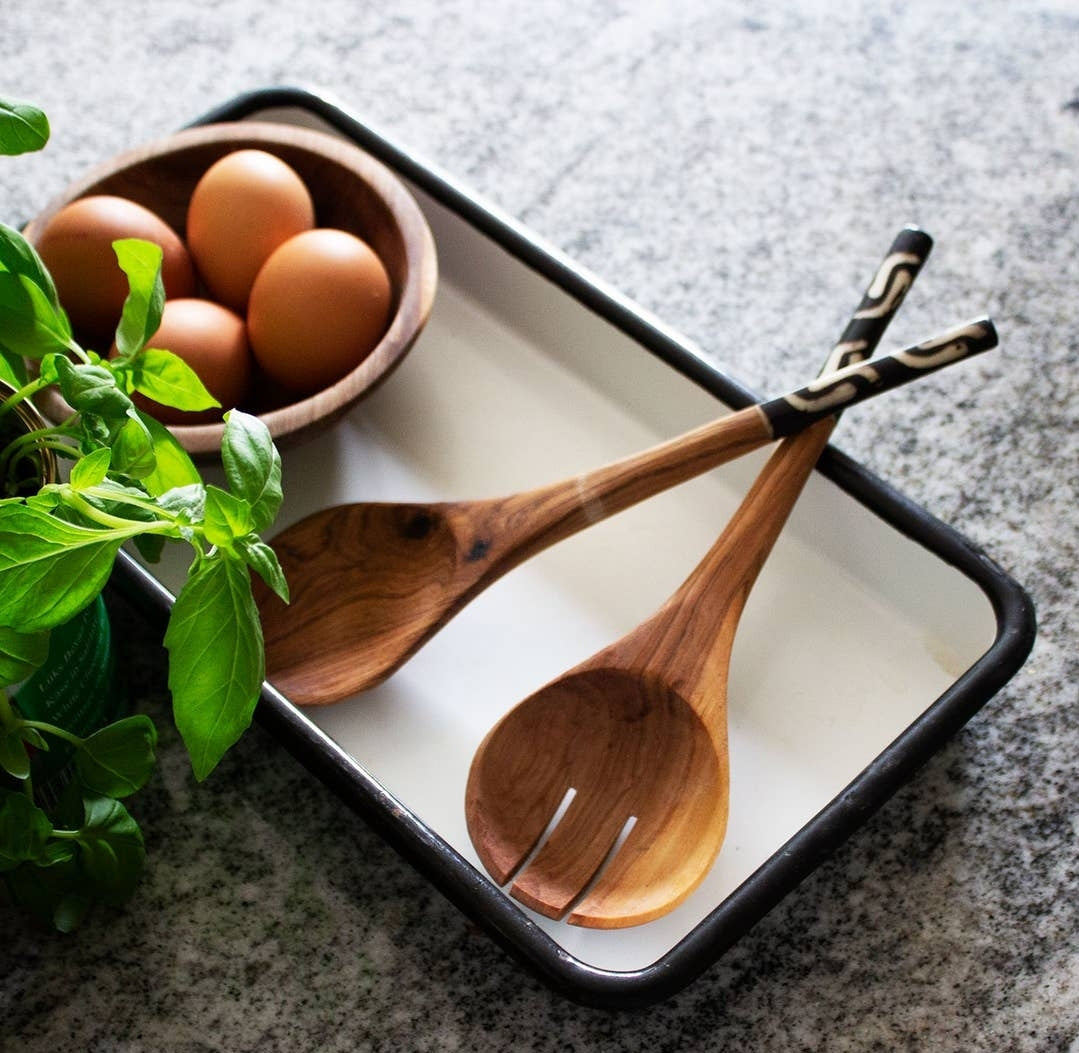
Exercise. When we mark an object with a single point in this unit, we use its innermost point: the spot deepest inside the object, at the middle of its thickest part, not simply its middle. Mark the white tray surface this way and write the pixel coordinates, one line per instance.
(851, 632)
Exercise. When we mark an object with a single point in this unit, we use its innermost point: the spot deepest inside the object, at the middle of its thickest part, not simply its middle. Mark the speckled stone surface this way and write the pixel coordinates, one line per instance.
(736, 169)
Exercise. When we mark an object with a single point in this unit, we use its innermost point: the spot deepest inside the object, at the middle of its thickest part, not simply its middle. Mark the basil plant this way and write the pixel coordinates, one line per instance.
(126, 481)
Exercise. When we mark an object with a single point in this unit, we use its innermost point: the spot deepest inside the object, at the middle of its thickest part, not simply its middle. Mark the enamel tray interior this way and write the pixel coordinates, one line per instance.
(865, 642)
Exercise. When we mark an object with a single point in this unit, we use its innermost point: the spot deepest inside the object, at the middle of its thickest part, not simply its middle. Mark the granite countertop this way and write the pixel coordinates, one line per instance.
(704, 157)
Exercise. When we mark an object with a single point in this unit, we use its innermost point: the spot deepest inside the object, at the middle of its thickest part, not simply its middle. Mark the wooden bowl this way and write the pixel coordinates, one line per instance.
(351, 191)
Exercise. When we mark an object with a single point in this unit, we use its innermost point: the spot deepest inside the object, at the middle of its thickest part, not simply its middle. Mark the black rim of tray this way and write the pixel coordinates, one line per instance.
(472, 892)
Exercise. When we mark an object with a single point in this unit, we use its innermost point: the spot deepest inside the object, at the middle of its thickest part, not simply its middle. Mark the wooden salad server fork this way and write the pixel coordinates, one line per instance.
(635, 737)
(372, 582)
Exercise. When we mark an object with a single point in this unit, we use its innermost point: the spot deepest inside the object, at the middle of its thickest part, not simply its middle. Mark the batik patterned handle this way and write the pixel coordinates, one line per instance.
(829, 394)
(881, 300)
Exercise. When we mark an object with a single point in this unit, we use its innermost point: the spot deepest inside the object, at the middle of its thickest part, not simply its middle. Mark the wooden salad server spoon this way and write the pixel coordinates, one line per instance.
(637, 735)
(372, 582)
(605, 794)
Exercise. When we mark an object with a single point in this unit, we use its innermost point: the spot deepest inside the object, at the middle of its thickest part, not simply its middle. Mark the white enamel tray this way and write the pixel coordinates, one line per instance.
(529, 372)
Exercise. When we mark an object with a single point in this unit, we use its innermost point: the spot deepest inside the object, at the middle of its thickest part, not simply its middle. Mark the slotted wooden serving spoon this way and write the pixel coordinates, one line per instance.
(635, 739)
(638, 732)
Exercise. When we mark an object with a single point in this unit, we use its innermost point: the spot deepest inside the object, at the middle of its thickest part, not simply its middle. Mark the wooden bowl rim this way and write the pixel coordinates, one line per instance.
(415, 297)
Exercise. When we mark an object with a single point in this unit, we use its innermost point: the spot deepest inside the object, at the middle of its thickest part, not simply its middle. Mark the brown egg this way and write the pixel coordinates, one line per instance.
(212, 340)
(318, 307)
(243, 207)
(76, 246)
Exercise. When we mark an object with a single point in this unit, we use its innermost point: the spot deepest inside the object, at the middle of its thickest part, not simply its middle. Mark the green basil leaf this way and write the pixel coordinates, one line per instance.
(110, 486)
(150, 547)
(33, 737)
(166, 378)
(116, 760)
(50, 569)
(95, 430)
(12, 369)
(21, 654)
(47, 370)
(186, 502)
(24, 829)
(20, 257)
(112, 852)
(263, 560)
(13, 756)
(29, 324)
(141, 262)
(71, 911)
(43, 888)
(23, 128)
(92, 389)
(91, 470)
(133, 449)
(216, 659)
(43, 500)
(252, 466)
(226, 518)
(55, 853)
(173, 466)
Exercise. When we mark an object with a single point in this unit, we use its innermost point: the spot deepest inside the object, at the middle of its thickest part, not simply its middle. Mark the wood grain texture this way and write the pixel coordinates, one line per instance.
(638, 731)
(372, 582)
(351, 191)
(637, 734)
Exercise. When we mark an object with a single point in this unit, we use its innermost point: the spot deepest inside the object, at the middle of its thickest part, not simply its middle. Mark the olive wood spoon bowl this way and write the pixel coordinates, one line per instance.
(372, 582)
